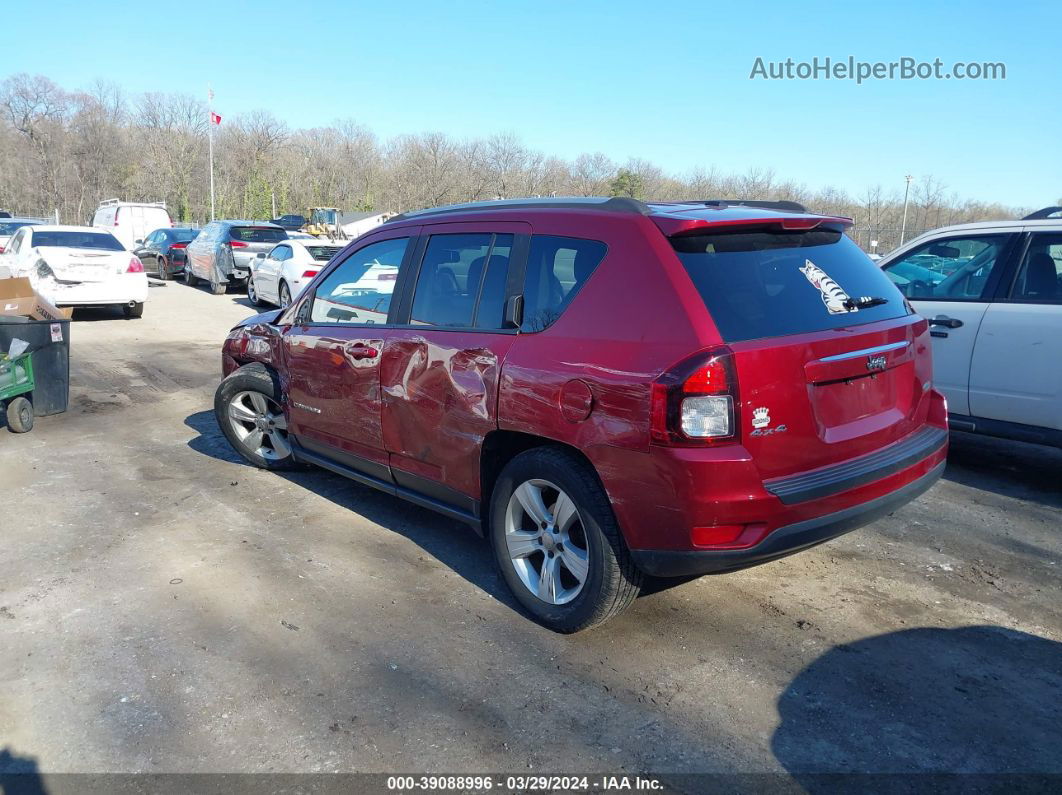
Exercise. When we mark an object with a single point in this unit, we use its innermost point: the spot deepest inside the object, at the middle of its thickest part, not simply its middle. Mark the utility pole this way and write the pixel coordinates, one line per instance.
(906, 193)
(210, 145)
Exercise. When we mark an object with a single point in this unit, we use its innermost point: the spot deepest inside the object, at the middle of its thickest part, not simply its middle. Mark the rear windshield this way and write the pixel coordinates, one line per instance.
(322, 252)
(772, 283)
(183, 234)
(104, 241)
(257, 234)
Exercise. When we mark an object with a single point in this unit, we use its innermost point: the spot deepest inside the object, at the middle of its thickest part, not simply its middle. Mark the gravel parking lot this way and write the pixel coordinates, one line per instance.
(165, 607)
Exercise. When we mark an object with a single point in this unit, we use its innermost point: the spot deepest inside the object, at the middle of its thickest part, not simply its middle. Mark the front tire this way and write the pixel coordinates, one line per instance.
(252, 293)
(557, 542)
(248, 411)
(20, 415)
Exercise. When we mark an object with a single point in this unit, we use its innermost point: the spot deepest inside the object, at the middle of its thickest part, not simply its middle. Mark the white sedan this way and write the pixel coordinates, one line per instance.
(78, 266)
(279, 276)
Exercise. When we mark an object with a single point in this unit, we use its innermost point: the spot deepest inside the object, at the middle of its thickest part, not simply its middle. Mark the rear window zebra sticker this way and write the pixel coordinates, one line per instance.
(836, 299)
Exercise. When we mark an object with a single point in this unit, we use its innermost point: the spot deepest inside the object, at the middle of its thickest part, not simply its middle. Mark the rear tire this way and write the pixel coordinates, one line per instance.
(247, 407)
(189, 277)
(575, 534)
(134, 311)
(218, 288)
(284, 295)
(19, 415)
(163, 273)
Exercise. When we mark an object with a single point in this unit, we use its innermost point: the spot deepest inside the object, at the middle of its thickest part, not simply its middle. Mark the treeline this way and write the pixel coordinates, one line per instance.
(66, 150)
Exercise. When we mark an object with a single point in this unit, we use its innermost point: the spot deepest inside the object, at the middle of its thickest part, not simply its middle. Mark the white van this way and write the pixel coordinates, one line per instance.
(131, 221)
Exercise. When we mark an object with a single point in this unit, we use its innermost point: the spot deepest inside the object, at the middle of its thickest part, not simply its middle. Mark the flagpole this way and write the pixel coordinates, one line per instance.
(210, 125)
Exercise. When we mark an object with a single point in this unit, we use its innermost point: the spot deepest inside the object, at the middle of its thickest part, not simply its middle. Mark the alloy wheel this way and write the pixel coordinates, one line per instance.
(546, 541)
(260, 425)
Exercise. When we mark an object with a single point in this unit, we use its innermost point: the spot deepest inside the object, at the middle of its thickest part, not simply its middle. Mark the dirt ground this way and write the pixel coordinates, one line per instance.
(165, 607)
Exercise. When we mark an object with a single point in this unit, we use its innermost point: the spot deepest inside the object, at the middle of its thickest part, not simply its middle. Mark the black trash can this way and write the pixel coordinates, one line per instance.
(49, 347)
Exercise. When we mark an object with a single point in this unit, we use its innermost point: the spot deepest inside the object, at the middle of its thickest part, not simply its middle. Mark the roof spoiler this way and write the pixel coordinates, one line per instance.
(1046, 212)
(785, 206)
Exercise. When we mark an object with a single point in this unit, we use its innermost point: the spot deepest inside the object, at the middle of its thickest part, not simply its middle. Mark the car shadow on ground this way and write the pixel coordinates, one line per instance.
(19, 775)
(450, 542)
(1011, 469)
(978, 700)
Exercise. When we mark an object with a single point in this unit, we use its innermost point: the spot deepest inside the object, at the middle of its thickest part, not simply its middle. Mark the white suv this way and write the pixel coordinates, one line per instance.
(992, 292)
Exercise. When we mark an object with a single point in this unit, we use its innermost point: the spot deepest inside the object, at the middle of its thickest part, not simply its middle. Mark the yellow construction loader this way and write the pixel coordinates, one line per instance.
(324, 222)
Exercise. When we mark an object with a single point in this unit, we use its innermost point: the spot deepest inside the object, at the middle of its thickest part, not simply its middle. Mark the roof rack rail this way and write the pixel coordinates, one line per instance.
(788, 206)
(109, 202)
(1046, 212)
(616, 204)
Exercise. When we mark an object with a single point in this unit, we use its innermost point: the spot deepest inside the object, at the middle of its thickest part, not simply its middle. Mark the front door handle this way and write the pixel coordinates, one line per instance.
(944, 320)
(359, 350)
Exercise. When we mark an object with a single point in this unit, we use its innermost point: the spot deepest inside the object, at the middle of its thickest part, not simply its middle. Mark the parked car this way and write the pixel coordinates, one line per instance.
(290, 222)
(8, 227)
(996, 321)
(164, 250)
(608, 389)
(131, 221)
(78, 266)
(222, 252)
(281, 274)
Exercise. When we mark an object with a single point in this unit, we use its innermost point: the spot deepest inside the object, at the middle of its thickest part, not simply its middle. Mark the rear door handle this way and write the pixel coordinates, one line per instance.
(944, 320)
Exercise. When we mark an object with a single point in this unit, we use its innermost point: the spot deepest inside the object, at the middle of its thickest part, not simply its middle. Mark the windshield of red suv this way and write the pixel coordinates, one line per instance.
(772, 283)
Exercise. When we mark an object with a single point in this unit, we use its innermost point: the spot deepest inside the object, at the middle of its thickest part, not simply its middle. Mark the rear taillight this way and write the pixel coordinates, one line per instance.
(694, 402)
(308, 274)
(237, 244)
(135, 266)
(178, 245)
(1, 249)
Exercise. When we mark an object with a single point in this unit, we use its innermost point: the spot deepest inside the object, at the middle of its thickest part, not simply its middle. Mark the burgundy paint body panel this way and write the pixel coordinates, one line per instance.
(333, 388)
(440, 397)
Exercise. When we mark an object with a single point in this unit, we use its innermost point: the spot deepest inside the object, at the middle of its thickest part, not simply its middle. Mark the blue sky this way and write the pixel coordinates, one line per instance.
(668, 82)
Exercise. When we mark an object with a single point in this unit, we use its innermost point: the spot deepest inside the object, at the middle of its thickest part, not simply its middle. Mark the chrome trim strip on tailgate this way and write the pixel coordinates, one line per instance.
(893, 346)
(859, 471)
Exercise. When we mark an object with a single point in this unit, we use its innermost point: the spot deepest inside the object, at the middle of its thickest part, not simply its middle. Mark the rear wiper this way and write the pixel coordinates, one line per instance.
(867, 301)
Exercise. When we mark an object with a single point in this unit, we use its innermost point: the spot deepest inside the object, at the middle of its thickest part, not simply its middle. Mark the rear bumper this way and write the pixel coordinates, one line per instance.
(785, 540)
(120, 289)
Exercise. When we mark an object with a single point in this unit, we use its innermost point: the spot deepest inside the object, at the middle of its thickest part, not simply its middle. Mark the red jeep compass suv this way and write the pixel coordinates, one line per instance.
(607, 389)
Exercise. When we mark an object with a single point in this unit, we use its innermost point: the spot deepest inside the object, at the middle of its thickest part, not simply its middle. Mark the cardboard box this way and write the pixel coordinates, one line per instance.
(18, 298)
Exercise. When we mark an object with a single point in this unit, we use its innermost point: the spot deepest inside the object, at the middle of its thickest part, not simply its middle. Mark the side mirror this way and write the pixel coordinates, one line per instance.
(260, 255)
(139, 241)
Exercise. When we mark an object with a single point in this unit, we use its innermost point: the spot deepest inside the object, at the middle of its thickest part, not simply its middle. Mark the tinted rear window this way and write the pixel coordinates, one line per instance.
(769, 284)
(104, 241)
(257, 234)
(182, 234)
(322, 252)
